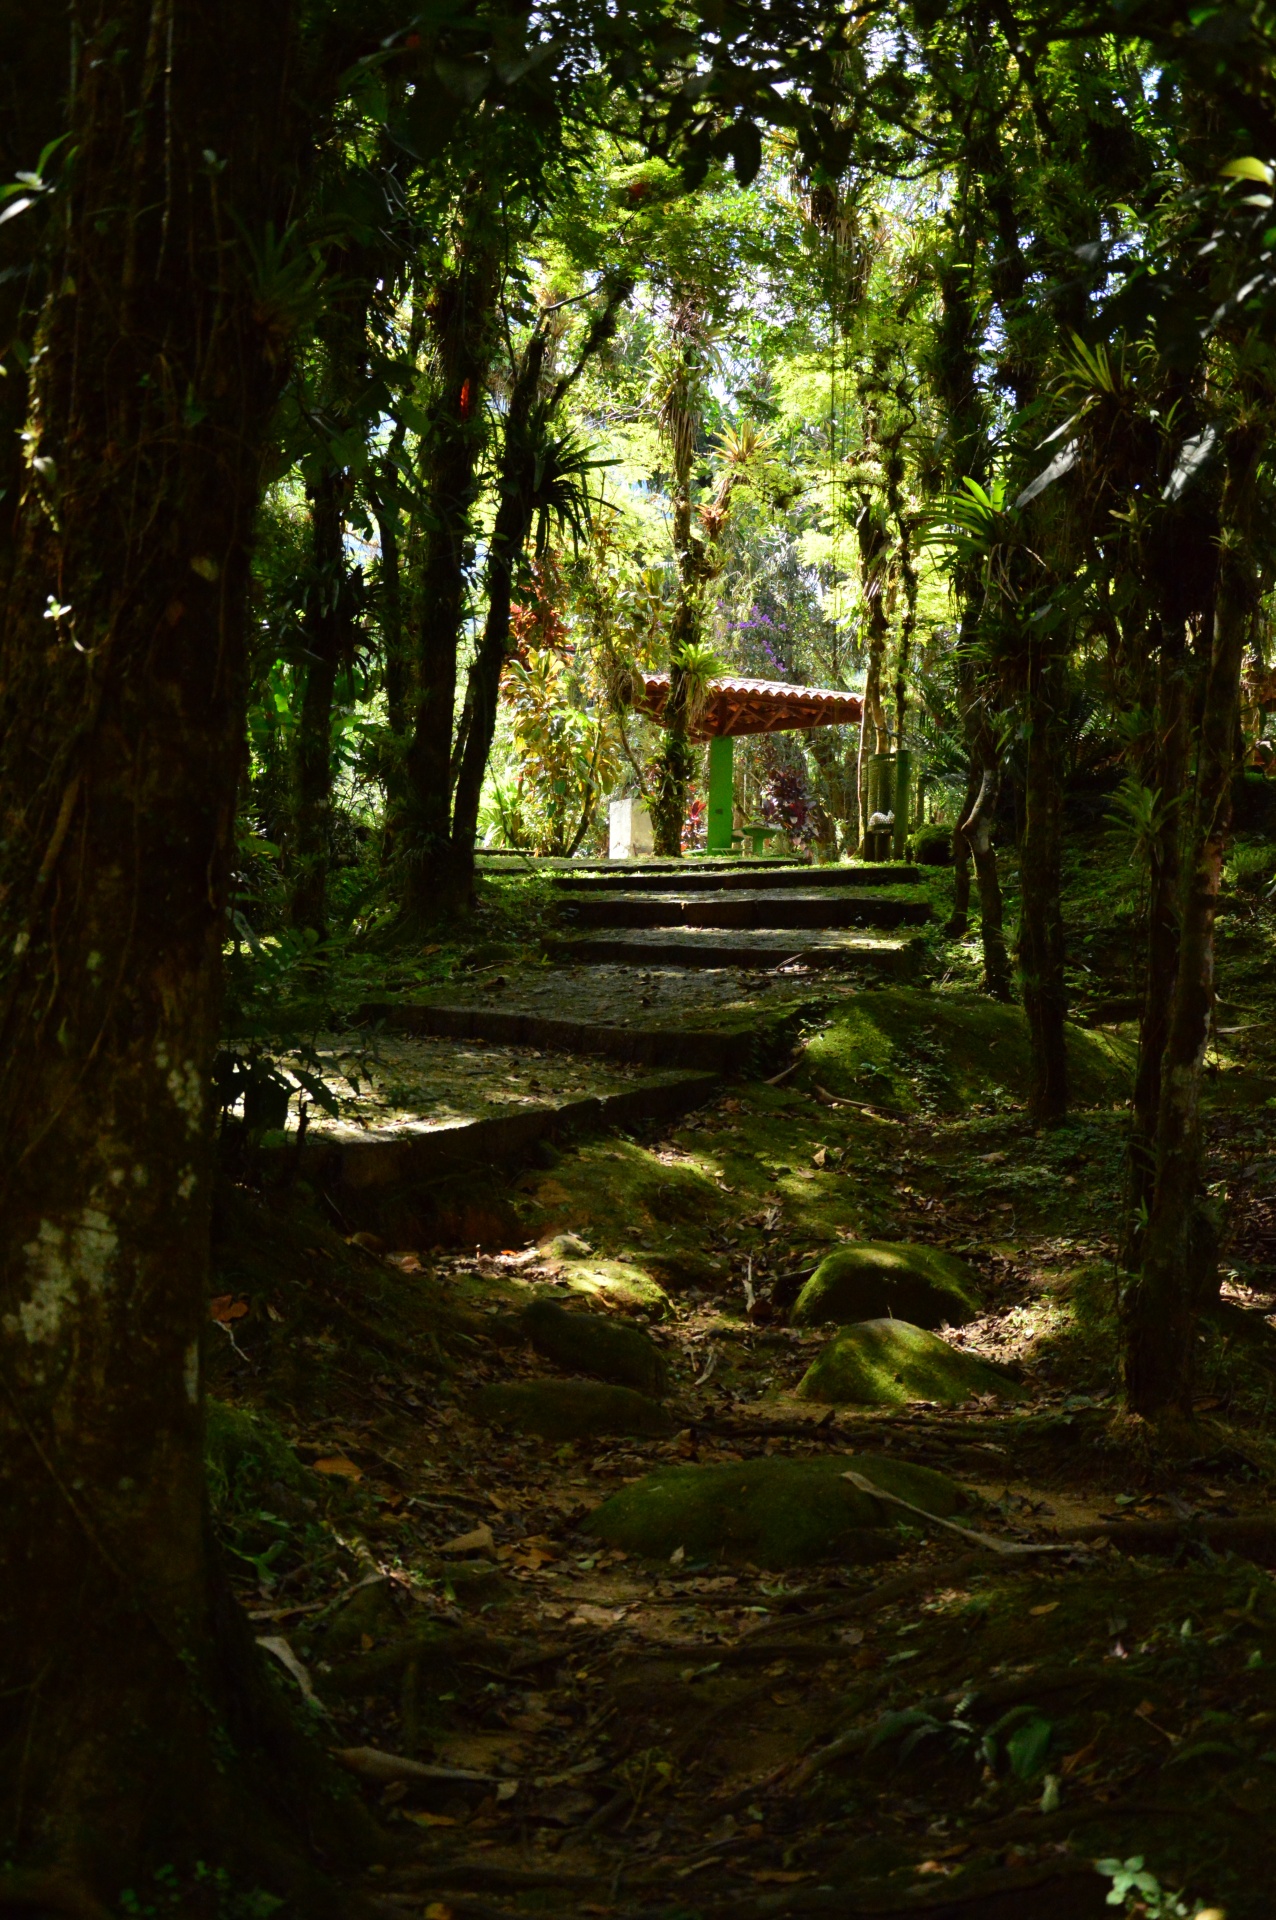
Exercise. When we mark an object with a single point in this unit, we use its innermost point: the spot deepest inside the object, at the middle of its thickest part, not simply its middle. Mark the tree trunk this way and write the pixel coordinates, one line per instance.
(462, 320)
(1041, 952)
(976, 830)
(1162, 1303)
(514, 513)
(959, 919)
(669, 802)
(327, 631)
(516, 487)
(972, 836)
(1167, 775)
(134, 1726)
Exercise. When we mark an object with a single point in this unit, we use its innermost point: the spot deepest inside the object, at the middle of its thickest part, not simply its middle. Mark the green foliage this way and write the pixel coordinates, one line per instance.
(172, 1893)
(1140, 1892)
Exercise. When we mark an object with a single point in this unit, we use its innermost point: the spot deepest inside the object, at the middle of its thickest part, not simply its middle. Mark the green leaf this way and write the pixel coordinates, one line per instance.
(1027, 1747)
(1248, 169)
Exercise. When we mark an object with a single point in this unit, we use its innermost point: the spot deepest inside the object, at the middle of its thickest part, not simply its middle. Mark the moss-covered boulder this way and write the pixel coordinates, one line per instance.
(772, 1513)
(876, 1280)
(883, 1363)
(571, 1409)
(618, 1284)
(591, 1343)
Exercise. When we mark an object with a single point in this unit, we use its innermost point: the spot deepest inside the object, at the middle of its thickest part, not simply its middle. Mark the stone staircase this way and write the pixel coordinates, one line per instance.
(674, 975)
(685, 914)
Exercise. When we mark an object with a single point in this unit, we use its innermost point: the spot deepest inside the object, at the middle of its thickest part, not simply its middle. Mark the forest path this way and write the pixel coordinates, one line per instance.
(551, 1721)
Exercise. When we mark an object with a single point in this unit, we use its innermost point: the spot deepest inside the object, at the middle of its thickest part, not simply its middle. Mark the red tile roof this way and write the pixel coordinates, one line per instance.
(737, 705)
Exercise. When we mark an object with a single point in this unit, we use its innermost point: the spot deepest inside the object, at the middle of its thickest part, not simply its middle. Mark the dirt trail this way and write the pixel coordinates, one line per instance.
(551, 1724)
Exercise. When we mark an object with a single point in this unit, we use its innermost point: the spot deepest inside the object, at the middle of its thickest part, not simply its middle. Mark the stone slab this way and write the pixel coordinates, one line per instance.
(752, 909)
(706, 947)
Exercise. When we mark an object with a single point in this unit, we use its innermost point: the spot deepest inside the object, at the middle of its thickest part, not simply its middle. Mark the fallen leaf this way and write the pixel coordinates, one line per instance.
(478, 1540)
(776, 1877)
(226, 1308)
(337, 1464)
(588, 1615)
(274, 1313)
(1049, 1607)
(278, 1648)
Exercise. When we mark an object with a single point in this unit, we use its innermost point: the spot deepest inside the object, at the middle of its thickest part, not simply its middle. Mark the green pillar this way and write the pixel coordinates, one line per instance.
(903, 800)
(721, 794)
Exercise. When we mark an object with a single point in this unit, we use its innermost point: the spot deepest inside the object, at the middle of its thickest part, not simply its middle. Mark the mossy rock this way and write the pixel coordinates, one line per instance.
(571, 1409)
(565, 1246)
(590, 1343)
(619, 1284)
(883, 1363)
(917, 1051)
(772, 1513)
(874, 1280)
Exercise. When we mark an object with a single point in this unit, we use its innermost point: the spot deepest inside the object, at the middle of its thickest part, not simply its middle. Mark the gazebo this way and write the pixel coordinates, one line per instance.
(737, 706)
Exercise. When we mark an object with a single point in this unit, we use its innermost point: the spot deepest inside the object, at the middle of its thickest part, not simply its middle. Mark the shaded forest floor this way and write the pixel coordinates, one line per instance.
(547, 1722)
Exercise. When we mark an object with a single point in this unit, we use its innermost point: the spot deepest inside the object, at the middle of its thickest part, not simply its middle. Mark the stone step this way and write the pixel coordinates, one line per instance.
(759, 909)
(394, 1153)
(764, 1040)
(634, 877)
(768, 948)
(500, 860)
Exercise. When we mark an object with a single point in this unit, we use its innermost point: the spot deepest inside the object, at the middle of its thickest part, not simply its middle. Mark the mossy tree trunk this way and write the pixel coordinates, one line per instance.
(1162, 1303)
(462, 320)
(1167, 776)
(134, 1723)
(1041, 948)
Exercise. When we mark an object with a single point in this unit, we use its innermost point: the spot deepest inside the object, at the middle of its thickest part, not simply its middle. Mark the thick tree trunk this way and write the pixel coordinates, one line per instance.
(133, 1726)
(1167, 775)
(462, 320)
(1041, 952)
(1162, 1303)
(327, 631)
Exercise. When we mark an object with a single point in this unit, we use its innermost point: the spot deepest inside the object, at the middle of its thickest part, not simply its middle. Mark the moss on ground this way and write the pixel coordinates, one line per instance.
(773, 1513)
(620, 1284)
(589, 1343)
(898, 1281)
(885, 1363)
(919, 1051)
(571, 1409)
